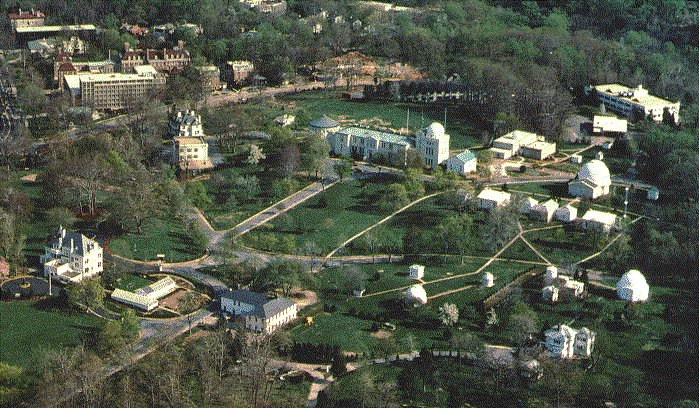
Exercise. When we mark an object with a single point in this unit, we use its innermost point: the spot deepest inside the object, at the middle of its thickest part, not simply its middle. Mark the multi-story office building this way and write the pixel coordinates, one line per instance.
(636, 102)
(113, 91)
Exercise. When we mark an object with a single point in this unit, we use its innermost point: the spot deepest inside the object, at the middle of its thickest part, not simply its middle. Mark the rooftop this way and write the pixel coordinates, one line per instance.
(518, 135)
(637, 95)
(600, 216)
(494, 195)
(375, 134)
(189, 140)
(466, 156)
(264, 307)
(57, 28)
(324, 122)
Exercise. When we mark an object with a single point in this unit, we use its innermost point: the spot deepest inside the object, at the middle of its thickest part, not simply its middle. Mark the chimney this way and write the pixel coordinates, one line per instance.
(71, 245)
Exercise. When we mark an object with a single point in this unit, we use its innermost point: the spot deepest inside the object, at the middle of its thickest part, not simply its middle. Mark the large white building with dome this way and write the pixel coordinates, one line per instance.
(593, 181)
(633, 287)
(433, 144)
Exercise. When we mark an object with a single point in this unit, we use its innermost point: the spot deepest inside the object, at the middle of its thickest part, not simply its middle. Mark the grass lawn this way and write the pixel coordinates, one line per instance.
(326, 219)
(159, 237)
(463, 131)
(27, 329)
(132, 282)
(224, 214)
(562, 246)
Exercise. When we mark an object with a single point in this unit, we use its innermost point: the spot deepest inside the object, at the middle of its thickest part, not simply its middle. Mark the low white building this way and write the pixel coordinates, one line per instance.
(594, 219)
(608, 124)
(592, 181)
(550, 294)
(488, 199)
(637, 101)
(260, 313)
(487, 280)
(462, 163)
(571, 287)
(158, 289)
(551, 274)
(575, 159)
(565, 342)
(140, 301)
(526, 144)
(527, 204)
(633, 287)
(416, 271)
(538, 150)
(567, 213)
(514, 140)
(544, 212)
(71, 257)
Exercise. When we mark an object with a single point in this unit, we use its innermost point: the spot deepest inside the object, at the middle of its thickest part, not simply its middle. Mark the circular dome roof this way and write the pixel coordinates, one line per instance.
(416, 294)
(435, 130)
(596, 172)
(633, 279)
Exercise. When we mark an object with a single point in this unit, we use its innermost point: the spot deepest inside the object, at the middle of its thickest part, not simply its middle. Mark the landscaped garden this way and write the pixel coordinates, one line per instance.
(167, 237)
(324, 221)
(30, 327)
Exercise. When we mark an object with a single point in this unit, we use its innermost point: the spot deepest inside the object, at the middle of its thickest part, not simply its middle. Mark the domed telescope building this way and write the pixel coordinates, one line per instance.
(415, 295)
(433, 143)
(593, 181)
(632, 287)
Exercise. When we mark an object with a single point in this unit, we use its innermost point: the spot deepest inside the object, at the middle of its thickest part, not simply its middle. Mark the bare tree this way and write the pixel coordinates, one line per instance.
(254, 372)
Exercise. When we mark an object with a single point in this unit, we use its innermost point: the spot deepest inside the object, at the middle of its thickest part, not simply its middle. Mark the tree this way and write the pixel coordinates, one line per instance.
(393, 198)
(88, 293)
(456, 233)
(11, 241)
(342, 169)
(501, 225)
(188, 304)
(339, 364)
(449, 314)
(12, 385)
(350, 279)
(284, 187)
(562, 378)
(467, 344)
(314, 153)
(60, 216)
(246, 188)
(138, 200)
(413, 184)
(255, 156)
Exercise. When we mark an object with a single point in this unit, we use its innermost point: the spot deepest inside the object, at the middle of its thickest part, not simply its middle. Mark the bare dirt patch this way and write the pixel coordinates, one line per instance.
(30, 178)
(172, 300)
(381, 334)
(304, 298)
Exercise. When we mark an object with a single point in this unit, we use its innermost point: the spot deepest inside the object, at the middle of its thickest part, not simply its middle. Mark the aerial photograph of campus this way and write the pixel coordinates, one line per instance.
(349, 204)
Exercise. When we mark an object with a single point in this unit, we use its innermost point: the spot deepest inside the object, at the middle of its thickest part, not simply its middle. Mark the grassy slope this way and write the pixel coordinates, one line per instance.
(158, 237)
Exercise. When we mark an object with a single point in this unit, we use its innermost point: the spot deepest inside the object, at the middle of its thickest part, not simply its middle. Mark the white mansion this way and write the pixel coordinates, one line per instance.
(71, 257)
(191, 152)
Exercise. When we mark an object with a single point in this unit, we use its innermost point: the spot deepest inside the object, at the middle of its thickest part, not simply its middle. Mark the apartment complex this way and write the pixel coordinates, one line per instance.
(64, 65)
(635, 102)
(164, 60)
(113, 91)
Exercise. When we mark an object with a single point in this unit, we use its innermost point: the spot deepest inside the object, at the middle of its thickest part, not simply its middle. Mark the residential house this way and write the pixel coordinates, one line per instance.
(71, 257)
(567, 213)
(433, 144)
(598, 220)
(592, 181)
(635, 102)
(488, 199)
(462, 163)
(565, 342)
(258, 312)
(192, 154)
(544, 212)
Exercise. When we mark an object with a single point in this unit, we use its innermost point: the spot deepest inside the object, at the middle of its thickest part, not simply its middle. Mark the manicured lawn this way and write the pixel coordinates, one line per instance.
(159, 237)
(132, 282)
(27, 328)
(326, 220)
(224, 213)
(348, 333)
(562, 246)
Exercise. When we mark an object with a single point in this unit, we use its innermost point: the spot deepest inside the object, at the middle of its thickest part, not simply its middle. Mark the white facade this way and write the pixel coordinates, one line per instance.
(187, 124)
(567, 213)
(633, 287)
(462, 163)
(487, 280)
(575, 159)
(566, 342)
(488, 199)
(551, 274)
(366, 143)
(594, 219)
(544, 212)
(526, 144)
(592, 181)
(527, 204)
(514, 140)
(158, 289)
(627, 101)
(72, 257)
(538, 150)
(259, 313)
(433, 144)
(604, 124)
(549, 294)
(142, 302)
(416, 271)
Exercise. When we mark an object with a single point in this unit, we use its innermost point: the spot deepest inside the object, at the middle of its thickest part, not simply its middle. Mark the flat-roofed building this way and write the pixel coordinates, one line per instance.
(544, 211)
(538, 150)
(608, 124)
(635, 101)
(365, 144)
(488, 199)
(142, 302)
(514, 140)
(64, 65)
(600, 220)
(113, 91)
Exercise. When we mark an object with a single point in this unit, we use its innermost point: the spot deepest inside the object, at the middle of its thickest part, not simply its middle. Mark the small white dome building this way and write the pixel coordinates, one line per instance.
(415, 295)
(593, 181)
(551, 274)
(632, 287)
(487, 280)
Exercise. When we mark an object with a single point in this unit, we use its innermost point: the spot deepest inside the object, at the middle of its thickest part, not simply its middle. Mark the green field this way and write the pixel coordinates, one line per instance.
(223, 213)
(131, 282)
(159, 237)
(27, 329)
(326, 220)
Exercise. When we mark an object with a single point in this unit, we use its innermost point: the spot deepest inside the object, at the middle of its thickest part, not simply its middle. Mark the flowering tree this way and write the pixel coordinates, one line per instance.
(449, 314)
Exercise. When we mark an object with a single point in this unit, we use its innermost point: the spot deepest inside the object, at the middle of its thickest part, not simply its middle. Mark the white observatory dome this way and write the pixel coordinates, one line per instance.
(632, 287)
(416, 295)
(435, 131)
(596, 172)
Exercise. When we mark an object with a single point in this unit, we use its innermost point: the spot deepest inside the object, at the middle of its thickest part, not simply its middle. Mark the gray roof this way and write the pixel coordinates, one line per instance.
(264, 306)
(324, 122)
(466, 156)
(80, 241)
(375, 134)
